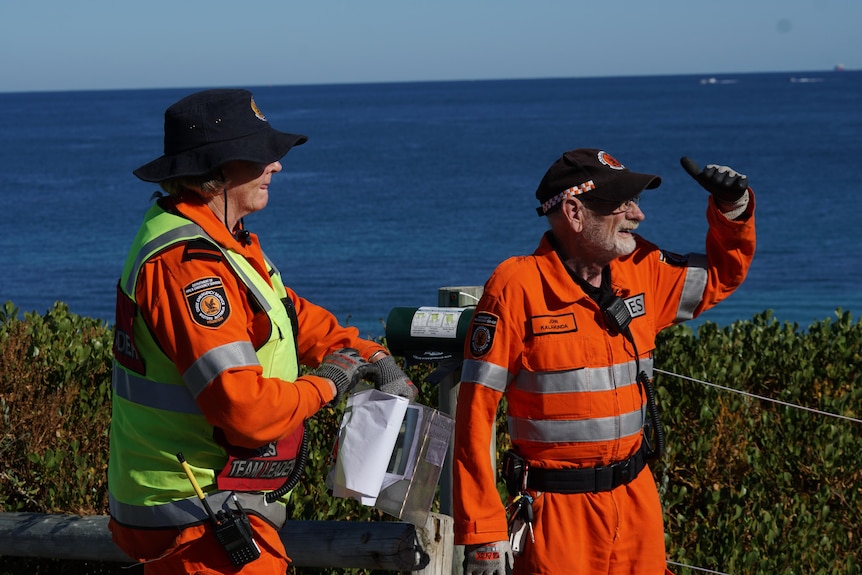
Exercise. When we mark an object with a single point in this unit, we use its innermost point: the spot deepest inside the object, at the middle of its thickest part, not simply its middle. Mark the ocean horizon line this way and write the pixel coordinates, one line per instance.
(705, 75)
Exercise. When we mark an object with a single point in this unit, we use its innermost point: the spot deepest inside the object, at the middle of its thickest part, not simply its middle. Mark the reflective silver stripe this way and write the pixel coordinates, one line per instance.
(152, 393)
(576, 430)
(487, 374)
(696, 276)
(249, 283)
(272, 269)
(184, 232)
(190, 511)
(581, 380)
(160, 241)
(208, 366)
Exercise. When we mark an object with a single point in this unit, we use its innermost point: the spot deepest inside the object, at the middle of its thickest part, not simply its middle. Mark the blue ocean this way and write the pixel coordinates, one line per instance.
(405, 188)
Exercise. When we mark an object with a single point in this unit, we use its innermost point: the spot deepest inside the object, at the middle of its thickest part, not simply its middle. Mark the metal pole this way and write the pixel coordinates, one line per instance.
(458, 296)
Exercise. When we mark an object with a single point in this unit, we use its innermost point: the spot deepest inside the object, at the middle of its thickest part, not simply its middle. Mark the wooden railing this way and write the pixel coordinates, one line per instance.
(389, 545)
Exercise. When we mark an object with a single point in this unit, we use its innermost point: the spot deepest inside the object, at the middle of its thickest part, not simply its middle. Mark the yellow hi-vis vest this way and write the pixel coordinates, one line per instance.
(155, 415)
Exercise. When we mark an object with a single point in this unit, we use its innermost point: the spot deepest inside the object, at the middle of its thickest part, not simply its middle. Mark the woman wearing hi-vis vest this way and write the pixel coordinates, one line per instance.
(208, 404)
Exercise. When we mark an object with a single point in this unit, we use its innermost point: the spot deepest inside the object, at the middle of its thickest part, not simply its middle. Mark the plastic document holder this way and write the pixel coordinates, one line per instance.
(390, 454)
(417, 461)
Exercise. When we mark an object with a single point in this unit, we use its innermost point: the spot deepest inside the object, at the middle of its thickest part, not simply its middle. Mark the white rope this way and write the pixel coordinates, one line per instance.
(754, 395)
(696, 568)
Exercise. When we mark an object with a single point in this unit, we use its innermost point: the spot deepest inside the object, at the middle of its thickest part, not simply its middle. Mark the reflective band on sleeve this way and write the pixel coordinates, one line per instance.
(153, 394)
(187, 231)
(190, 511)
(695, 283)
(576, 430)
(487, 374)
(582, 380)
(216, 361)
(184, 232)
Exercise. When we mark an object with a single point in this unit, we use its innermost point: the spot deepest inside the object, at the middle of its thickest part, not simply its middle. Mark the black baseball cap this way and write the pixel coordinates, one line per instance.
(592, 172)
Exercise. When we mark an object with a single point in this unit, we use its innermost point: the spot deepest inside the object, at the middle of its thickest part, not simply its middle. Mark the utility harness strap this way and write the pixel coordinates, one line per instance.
(589, 479)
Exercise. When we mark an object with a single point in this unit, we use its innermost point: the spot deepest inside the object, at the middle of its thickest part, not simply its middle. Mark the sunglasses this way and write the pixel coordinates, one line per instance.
(610, 207)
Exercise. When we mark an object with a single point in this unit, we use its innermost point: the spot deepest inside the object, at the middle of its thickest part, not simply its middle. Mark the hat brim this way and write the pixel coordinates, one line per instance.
(625, 186)
(263, 147)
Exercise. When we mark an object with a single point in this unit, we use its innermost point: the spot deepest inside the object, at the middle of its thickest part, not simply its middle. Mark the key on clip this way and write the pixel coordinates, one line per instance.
(526, 505)
(514, 507)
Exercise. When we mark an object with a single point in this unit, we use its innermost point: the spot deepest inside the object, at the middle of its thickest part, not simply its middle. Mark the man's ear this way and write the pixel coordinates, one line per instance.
(573, 212)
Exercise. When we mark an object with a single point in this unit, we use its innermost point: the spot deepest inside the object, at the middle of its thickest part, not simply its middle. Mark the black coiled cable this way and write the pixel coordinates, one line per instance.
(656, 447)
(655, 451)
(295, 473)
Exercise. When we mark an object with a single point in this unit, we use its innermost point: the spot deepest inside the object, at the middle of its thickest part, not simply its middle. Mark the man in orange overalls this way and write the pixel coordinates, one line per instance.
(567, 336)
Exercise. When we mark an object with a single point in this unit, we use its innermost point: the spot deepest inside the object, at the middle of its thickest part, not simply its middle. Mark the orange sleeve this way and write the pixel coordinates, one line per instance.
(252, 410)
(730, 246)
(730, 249)
(478, 510)
(479, 515)
(320, 333)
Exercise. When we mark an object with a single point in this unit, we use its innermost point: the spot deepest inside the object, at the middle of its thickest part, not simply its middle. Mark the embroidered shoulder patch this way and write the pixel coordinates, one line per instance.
(207, 301)
(484, 326)
(673, 259)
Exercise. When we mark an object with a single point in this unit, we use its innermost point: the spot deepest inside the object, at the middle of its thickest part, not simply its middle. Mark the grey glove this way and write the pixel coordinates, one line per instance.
(391, 379)
(488, 559)
(722, 182)
(345, 368)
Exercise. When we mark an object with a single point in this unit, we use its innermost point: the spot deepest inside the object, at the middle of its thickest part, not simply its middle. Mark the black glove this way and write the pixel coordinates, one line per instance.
(392, 380)
(489, 559)
(723, 183)
(345, 368)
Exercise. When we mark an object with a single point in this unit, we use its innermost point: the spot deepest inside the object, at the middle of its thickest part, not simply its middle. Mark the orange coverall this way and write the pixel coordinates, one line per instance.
(250, 409)
(540, 341)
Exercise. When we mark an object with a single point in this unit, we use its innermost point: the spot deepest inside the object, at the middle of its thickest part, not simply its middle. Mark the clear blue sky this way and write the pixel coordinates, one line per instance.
(105, 44)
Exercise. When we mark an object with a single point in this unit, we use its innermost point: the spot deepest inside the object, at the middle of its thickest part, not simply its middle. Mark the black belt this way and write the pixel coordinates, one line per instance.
(588, 479)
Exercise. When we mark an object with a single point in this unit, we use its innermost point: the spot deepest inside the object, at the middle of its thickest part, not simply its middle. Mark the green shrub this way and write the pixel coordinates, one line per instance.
(747, 485)
(55, 390)
(752, 486)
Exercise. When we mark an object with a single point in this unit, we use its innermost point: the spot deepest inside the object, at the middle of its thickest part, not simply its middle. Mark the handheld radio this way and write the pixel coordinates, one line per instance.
(232, 527)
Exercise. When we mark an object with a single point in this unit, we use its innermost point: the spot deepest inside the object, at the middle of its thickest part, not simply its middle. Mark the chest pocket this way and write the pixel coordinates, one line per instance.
(643, 331)
(562, 352)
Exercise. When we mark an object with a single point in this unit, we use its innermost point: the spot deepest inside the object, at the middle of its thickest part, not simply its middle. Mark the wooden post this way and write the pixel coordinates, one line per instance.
(447, 391)
(436, 539)
(447, 398)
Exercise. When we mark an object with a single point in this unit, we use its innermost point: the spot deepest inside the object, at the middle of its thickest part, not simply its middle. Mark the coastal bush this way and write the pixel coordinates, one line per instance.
(55, 391)
(747, 485)
(756, 486)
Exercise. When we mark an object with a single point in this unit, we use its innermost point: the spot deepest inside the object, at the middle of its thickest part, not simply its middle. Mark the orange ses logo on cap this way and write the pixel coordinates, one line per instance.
(610, 161)
(257, 111)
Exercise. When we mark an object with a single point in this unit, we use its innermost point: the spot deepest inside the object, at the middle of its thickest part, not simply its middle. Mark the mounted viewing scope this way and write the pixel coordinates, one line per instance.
(433, 334)
(427, 334)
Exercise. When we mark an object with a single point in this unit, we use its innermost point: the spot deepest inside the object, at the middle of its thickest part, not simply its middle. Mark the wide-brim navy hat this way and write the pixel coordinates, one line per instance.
(207, 129)
(594, 173)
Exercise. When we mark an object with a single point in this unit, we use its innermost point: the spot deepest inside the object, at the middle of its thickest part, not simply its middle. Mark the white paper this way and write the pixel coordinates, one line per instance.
(403, 460)
(369, 430)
